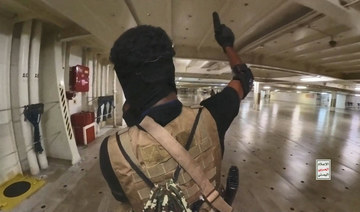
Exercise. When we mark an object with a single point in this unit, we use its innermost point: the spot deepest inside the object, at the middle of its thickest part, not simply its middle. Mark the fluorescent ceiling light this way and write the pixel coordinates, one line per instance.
(357, 94)
(298, 91)
(266, 87)
(276, 90)
(357, 89)
(223, 84)
(301, 87)
(324, 93)
(180, 78)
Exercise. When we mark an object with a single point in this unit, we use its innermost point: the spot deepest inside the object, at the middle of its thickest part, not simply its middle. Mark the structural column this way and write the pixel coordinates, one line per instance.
(256, 104)
(267, 96)
(115, 99)
(333, 101)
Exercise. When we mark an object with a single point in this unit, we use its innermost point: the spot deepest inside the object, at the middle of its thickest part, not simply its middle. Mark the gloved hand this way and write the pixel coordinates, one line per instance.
(223, 34)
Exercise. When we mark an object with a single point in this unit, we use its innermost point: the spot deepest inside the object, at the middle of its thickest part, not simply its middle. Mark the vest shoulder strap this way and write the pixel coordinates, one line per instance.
(126, 143)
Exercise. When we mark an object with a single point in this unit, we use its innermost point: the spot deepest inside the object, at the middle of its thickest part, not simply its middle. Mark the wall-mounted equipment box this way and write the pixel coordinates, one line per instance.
(79, 78)
(84, 127)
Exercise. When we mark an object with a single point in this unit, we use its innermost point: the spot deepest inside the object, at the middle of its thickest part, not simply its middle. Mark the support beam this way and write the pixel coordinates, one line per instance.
(33, 9)
(333, 9)
(278, 30)
(91, 17)
(262, 22)
(132, 10)
(75, 37)
(339, 58)
(321, 44)
(209, 53)
(309, 40)
(350, 45)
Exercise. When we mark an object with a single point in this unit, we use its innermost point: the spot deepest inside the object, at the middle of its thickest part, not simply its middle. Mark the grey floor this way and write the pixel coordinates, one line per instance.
(275, 150)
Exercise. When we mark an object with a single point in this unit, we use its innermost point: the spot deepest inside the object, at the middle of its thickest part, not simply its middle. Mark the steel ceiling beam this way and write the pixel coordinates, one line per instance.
(339, 58)
(79, 13)
(322, 44)
(132, 11)
(333, 9)
(285, 49)
(35, 10)
(208, 53)
(330, 52)
(277, 31)
(261, 23)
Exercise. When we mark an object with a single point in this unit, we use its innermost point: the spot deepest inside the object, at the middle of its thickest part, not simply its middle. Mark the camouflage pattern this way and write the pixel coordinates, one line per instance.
(168, 197)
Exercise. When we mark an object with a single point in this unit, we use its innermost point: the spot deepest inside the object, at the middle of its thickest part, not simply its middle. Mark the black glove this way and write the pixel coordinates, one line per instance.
(223, 34)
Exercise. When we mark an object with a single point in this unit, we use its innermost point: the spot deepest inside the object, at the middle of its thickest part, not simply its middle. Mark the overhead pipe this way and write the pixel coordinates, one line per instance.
(23, 86)
(34, 82)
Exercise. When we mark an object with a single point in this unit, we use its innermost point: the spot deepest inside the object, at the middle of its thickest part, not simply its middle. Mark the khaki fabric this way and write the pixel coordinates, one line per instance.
(158, 165)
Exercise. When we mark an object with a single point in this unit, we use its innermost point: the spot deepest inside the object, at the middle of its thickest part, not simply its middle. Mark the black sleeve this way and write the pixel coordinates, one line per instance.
(223, 106)
(109, 174)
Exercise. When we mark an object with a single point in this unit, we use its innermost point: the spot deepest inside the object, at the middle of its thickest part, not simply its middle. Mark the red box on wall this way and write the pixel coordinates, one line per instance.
(84, 127)
(83, 118)
(84, 135)
(79, 78)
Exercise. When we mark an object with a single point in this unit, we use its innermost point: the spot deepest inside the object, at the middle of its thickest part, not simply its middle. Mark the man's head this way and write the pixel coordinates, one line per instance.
(143, 61)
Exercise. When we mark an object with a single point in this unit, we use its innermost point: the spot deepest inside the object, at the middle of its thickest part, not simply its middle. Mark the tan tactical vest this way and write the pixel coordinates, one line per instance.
(158, 165)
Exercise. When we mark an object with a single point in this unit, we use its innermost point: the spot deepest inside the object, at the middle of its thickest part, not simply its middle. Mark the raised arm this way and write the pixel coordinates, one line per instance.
(242, 81)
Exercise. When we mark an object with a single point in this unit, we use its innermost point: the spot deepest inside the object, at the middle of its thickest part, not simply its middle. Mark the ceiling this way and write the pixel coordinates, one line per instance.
(281, 40)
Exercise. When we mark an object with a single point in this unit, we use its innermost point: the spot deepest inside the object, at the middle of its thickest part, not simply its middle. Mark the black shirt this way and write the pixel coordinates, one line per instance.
(223, 106)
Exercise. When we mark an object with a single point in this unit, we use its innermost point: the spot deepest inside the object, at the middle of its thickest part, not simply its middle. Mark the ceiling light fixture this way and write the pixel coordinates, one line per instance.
(301, 87)
(357, 94)
(266, 87)
(357, 89)
(324, 93)
(315, 79)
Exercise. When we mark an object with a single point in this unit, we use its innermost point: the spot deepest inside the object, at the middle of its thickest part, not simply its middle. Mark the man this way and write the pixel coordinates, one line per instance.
(143, 61)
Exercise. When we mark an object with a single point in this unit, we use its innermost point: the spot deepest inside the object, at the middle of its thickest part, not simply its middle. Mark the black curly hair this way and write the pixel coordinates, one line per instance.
(139, 45)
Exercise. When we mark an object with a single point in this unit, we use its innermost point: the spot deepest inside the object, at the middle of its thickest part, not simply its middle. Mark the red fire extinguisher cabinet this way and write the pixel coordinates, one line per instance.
(79, 78)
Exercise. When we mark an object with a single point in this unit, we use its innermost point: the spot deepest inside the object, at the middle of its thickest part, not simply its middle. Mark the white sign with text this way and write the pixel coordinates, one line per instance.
(323, 169)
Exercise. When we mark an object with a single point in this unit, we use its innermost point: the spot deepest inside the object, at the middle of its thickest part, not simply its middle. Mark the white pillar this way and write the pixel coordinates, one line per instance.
(94, 77)
(24, 95)
(34, 83)
(256, 104)
(107, 79)
(114, 93)
(267, 94)
(333, 101)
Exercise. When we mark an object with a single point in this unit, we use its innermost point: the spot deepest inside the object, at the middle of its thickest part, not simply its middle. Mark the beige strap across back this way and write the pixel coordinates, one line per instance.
(177, 151)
